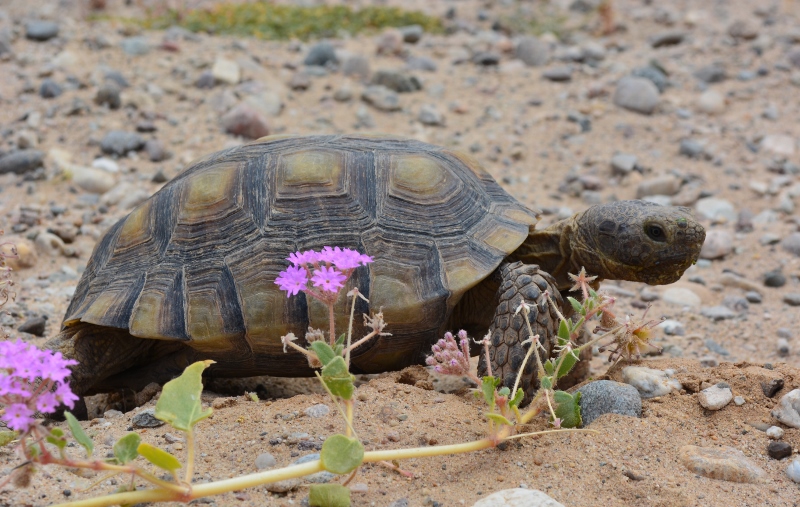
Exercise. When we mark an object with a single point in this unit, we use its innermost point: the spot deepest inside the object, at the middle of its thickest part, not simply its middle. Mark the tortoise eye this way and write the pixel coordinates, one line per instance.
(656, 233)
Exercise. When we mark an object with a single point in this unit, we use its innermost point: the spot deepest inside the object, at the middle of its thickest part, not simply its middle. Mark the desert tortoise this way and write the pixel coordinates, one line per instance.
(189, 274)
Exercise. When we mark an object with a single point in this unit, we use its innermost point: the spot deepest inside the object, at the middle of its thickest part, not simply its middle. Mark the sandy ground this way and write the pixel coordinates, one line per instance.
(521, 127)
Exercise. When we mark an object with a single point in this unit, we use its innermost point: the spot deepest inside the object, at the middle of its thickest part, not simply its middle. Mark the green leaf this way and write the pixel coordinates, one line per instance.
(576, 305)
(328, 495)
(6, 437)
(78, 434)
(592, 293)
(56, 437)
(568, 409)
(499, 419)
(563, 330)
(338, 379)
(546, 383)
(323, 351)
(159, 457)
(517, 399)
(488, 387)
(568, 363)
(549, 367)
(341, 454)
(341, 339)
(504, 391)
(125, 448)
(179, 403)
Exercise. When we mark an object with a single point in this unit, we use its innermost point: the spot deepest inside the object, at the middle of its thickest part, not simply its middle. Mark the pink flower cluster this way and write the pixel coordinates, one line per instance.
(30, 380)
(449, 357)
(327, 269)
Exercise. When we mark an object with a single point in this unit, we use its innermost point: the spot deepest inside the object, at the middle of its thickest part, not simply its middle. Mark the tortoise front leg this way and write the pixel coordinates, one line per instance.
(521, 282)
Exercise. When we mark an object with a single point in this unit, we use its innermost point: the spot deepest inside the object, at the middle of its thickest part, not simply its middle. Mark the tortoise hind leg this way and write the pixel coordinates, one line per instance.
(521, 282)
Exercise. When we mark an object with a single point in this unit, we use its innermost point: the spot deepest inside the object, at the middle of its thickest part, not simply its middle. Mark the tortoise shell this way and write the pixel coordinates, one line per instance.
(196, 262)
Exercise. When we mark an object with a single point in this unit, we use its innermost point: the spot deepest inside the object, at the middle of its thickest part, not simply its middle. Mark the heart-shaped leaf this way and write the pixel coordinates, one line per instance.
(328, 495)
(323, 351)
(338, 379)
(341, 454)
(159, 457)
(125, 449)
(568, 409)
(179, 403)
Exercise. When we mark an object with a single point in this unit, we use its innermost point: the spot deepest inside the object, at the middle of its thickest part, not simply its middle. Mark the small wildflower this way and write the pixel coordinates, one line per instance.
(300, 259)
(314, 335)
(582, 282)
(293, 279)
(448, 358)
(287, 339)
(523, 306)
(376, 323)
(329, 279)
(18, 417)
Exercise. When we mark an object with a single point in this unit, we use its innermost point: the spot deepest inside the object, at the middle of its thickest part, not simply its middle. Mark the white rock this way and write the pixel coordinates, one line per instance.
(133, 199)
(739, 401)
(114, 195)
(788, 409)
(226, 71)
(106, 164)
(715, 397)
(718, 244)
(711, 102)
(716, 209)
(793, 470)
(778, 144)
(49, 244)
(518, 497)
(95, 181)
(681, 296)
(775, 432)
(649, 382)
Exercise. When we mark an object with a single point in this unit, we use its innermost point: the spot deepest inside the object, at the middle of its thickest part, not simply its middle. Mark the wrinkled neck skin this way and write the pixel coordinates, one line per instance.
(558, 250)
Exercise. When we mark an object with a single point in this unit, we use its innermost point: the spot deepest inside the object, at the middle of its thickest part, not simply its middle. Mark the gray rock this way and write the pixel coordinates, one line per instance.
(156, 151)
(317, 411)
(774, 278)
(205, 80)
(743, 29)
(5, 41)
(753, 297)
(265, 460)
(344, 93)
(533, 51)
(21, 161)
(244, 120)
(558, 74)
(668, 38)
(135, 46)
(716, 209)
(718, 244)
(301, 80)
(429, 115)
(721, 463)
(655, 75)
(793, 470)
(711, 102)
(321, 54)
(609, 397)
(356, 66)
(714, 73)
(623, 163)
(792, 299)
(715, 347)
(660, 185)
(790, 243)
(397, 81)
(788, 409)
(486, 58)
(109, 94)
(50, 89)
(381, 98)
(283, 486)
(34, 326)
(717, 313)
(119, 142)
(691, 148)
(649, 382)
(402, 502)
(636, 94)
(783, 347)
(268, 103)
(681, 296)
(518, 497)
(421, 63)
(116, 77)
(673, 327)
(319, 477)
(146, 419)
(39, 30)
(715, 397)
(411, 33)
(736, 303)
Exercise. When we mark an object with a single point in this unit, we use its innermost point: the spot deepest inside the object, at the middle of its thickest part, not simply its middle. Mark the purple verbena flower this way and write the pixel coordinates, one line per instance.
(448, 358)
(293, 279)
(305, 257)
(329, 279)
(18, 417)
(344, 259)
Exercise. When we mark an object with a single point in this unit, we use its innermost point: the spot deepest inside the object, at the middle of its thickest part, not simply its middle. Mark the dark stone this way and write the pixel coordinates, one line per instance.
(21, 161)
(159, 177)
(668, 38)
(779, 450)
(397, 81)
(50, 89)
(775, 278)
(486, 58)
(108, 94)
(714, 73)
(41, 30)
(146, 419)
(653, 74)
(772, 387)
(205, 80)
(321, 54)
(117, 78)
(34, 326)
(609, 397)
(411, 33)
(792, 299)
(119, 142)
(156, 151)
(558, 74)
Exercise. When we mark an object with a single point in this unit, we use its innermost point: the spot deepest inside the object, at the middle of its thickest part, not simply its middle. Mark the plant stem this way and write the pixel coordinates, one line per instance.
(350, 329)
(331, 322)
(190, 447)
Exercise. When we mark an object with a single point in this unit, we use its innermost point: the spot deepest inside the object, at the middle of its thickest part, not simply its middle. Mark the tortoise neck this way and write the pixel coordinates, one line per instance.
(551, 249)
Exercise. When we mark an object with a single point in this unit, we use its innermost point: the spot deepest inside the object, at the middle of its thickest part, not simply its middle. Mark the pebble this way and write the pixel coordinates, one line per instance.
(50, 89)
(672, 327)
(791, 298)
(714, 73)
(283, 486)
(518, 497)
(120, 142)
(34, 326)
(226, 71)
(558, 74)
(95, 181)
(668, 38)
(21, 161)
(319, 477)
(421, 63)
(49, 244)
(533, 51)
(721, 463)
(790, 243)
(743, 29)
(381, 98)
(321, 54)
(636, 94)
(775, 432)
(39, 30)
(486, 58)
(681, 296)
(649, 382)
(715, 397)
(661, 185)
(774, 278)
(429, 115)
(711, 102)
(783, 347)
(301, 80)
(396, 81)
(793, 470)
(401, 502)
(623, 163)
(244, 120)
(356, 66)
(26, 254)
(108, 94)
(135, 46)
(146, 419)
(718, 244)
(778, 144)
(655, 75)
(772, 387)
(738, 400)
(716, 209)
(411, 33)
(156, 151)
(717, 313)
(609, 397)
(265, 460)
(788, 409)
(205, 81)
(691, 148)
(317, 411)
(268, 103)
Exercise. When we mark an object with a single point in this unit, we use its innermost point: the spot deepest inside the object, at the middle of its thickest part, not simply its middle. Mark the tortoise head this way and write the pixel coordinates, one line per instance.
(637, 240)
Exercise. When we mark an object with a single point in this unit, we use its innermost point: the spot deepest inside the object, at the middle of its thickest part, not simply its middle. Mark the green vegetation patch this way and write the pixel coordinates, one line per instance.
(268, 21)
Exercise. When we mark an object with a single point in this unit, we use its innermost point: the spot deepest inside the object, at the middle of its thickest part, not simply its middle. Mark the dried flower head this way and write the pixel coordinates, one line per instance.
(314, 335)
(449, 357)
